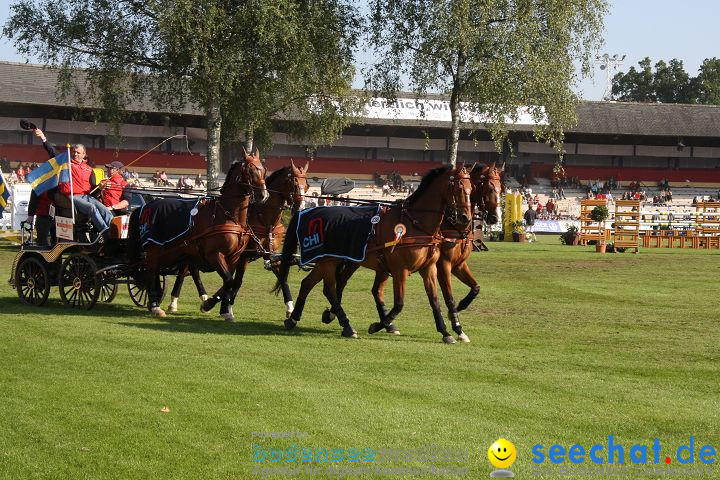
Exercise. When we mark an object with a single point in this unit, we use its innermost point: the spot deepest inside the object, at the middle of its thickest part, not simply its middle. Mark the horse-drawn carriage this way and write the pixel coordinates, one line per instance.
(85, 272)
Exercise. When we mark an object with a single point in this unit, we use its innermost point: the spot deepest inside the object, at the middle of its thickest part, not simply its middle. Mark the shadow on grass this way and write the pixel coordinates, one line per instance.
(180, 324)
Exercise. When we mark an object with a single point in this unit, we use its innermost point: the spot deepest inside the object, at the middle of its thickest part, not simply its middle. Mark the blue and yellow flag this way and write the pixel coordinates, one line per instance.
(50, 173)
(4, 193)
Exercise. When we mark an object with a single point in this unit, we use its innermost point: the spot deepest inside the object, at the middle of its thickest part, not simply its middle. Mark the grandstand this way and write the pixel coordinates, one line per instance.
(630, 142)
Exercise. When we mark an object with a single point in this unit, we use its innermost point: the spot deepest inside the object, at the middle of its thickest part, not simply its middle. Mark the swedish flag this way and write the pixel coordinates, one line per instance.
(4, 193)
(50, 173)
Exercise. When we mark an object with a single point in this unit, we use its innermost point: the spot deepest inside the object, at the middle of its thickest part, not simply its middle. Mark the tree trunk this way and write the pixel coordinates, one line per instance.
(249, 138)
(455, 111)
(214, 121)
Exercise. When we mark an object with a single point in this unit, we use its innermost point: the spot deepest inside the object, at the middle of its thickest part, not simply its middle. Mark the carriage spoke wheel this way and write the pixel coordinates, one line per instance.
(138, 291)
(79, 286)
(32, 282)
(108, 289)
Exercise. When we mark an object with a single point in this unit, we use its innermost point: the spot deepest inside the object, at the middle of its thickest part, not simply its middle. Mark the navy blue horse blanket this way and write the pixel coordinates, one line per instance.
(165, 220)
(341, 232)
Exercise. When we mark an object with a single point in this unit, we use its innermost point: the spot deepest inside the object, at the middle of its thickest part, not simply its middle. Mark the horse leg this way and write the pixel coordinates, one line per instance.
(227, 296)
(177, 286)
(195, 272)
(444, 269)
(287, 296)
(343, 273)
(378, 289)
(306, 286)
(153, 285)
(429, 276)
(462, 272)
(330, 291)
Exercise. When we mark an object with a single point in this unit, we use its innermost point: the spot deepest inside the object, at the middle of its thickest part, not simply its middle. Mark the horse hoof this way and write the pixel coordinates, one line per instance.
(172, 309)
(464, 338)
(290, 324)
(158, 312)
(327, 316)
(349, 333)
(392, 329)
(375, 327)
(229, 317)
(449, 340)
(203, 309)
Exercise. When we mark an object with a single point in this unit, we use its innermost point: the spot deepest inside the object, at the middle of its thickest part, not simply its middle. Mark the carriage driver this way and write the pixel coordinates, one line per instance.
(83, 182)
(114, 195)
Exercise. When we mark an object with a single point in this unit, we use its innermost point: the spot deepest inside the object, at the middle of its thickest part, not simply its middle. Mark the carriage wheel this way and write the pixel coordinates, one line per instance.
(32, 282)
(79, 286)
(138, 291)
(108, 289)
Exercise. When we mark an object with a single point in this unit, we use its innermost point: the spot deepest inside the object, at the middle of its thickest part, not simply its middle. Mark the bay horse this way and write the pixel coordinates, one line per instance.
(457, 245)
(443, 190)
(286, 187)
(217, 238)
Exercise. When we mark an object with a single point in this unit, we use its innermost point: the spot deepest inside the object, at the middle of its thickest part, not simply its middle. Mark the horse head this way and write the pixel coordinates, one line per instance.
(298, 176)
(252, 174)
(487, 181)
(458, 206)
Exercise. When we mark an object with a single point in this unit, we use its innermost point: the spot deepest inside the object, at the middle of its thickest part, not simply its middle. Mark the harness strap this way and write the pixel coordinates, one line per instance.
(405, 242)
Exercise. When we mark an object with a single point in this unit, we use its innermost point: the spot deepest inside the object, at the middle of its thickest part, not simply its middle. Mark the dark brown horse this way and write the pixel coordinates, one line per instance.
(444, 190)
(217, 238)
(286, 186)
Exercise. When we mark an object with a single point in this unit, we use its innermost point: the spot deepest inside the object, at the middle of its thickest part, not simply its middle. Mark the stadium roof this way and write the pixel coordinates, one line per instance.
(37, 85)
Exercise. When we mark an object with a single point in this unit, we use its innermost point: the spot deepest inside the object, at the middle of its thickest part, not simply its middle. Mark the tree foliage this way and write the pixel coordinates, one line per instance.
(495, 55)
(240, 62)
(669, 83)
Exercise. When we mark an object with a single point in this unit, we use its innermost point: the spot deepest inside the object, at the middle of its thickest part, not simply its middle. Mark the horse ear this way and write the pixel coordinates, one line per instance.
(245, 154)
(307, 165)
(473, 167)
(292, 164)
(502, 169)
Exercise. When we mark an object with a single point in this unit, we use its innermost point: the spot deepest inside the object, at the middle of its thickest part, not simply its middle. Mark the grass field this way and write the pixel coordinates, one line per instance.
(568, 347)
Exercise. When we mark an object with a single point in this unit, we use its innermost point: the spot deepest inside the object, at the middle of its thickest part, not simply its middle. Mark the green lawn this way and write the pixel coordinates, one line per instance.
(568, 347)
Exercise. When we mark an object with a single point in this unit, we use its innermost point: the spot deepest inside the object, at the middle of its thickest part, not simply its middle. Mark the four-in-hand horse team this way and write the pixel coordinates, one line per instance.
(431, 232)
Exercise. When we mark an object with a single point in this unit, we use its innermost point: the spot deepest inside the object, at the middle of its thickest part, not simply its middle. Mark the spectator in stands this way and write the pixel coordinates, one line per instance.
(550, 209)
(386, 189)
(199, 183)
(114, 193)
(530, 216)
(12, 178)
(540, 210)
(21, 173)
(156, 178)
(164, 179)
(181, 182)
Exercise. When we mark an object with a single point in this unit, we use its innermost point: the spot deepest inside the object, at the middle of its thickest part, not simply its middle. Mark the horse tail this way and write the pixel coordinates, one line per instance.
(133, 244)
(289, 248)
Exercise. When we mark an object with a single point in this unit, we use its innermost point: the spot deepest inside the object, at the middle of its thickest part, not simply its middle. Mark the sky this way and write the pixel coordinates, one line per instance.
(659, 29)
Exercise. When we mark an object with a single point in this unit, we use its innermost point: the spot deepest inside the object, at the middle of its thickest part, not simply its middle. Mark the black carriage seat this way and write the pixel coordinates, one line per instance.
(83, 226)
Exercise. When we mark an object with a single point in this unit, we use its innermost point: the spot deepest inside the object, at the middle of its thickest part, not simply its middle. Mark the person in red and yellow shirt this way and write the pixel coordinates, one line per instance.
(114, 195)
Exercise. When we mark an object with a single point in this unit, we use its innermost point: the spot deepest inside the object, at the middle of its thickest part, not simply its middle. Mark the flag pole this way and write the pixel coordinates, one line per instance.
(72, 199)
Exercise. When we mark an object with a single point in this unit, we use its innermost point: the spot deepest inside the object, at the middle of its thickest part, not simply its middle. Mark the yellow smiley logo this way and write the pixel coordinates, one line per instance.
(502, 453)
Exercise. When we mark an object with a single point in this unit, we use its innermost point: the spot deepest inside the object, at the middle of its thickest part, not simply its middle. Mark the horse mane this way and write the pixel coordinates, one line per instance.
(229, 175)
(284, 171)
(426, 181)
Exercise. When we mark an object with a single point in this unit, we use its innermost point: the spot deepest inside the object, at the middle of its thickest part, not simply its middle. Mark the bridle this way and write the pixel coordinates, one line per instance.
(486, 185)
(455, 188)
(243, 178)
